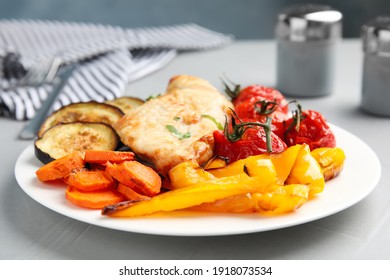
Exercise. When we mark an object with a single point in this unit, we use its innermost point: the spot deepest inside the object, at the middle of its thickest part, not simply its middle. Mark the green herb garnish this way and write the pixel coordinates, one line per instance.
(176, 133)
(219, 126)
(153, 96)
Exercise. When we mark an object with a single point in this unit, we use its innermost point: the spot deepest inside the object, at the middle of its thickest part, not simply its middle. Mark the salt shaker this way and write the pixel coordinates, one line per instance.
(376, 66)
(306, 38)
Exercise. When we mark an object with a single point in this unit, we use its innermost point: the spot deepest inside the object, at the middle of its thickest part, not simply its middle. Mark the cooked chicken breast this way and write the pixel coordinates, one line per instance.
(176, 126)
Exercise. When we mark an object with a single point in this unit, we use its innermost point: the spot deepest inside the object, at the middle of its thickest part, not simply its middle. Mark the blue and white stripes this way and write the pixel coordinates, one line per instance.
(109, 57)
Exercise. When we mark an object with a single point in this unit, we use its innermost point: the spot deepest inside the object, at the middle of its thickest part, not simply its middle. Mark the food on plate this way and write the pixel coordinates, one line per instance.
(257, 103)
(306, 126)
(189, 196)
(215, 162)
(63, 139)
(104, 156)
(192, 148)
(330, 160)
(276, 200)
(240, 139)
(60, 168)
(126, 103)
(129, 193)
(307, 171)
(93, 200)
(282, 183)
(188, 173)
(171, 128)
(82, 112)
(90, 180)
(282, 163)
(141, 178)
(95, 183)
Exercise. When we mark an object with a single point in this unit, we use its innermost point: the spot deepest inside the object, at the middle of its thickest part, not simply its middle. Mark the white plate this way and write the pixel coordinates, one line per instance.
(360, 175)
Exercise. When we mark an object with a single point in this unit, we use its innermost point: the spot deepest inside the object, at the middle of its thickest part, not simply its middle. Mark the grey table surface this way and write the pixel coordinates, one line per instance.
(29, 230)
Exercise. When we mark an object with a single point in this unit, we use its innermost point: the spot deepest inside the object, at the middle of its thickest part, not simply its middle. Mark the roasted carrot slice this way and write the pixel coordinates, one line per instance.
(96, 166)
(60, 168)
(101, 157)
(65, 180)
(93, 200)
(90, 180)
(139, 177)
(129, 193)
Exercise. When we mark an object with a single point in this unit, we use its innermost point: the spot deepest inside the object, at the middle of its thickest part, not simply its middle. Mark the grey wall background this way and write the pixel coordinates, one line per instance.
(245, 19)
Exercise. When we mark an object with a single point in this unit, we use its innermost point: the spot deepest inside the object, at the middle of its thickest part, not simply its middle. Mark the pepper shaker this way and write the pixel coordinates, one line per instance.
(376, 66)
(306, 38)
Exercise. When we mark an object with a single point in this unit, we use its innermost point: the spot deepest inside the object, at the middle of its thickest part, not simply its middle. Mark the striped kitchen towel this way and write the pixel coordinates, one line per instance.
(109, 57)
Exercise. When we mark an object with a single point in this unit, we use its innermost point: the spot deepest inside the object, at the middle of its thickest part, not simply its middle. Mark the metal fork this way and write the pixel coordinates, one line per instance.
(29, 131)
(42, 70)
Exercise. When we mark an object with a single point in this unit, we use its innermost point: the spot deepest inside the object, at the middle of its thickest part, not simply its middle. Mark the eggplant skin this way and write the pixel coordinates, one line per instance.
(63, 139)
(42, 156)
(91, 111)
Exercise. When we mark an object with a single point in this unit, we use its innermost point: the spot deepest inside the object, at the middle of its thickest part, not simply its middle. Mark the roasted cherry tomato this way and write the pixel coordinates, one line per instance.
(244, 148)
(241, 139)
(257, 102)
(308, 127)
(258, 92)
(259, 110)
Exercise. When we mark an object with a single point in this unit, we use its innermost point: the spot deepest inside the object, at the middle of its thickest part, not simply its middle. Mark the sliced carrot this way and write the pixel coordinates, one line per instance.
(90, 180)
(65, 180)
(60, 168)
(93, 200)
(97, 156)
(129, 193)
(96, 166)
(137, 176)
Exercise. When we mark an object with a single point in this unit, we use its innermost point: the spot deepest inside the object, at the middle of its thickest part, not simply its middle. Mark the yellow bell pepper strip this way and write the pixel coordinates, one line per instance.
(188, 173)
(215, 162)
(282, 199)
(192, 195)
(282, 162)
(254, 166)
(331, 161)
(307, 171)
(276, 200)
(242, 203)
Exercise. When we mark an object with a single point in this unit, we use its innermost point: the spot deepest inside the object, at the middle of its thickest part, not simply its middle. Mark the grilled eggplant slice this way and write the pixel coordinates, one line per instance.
(82, 112)
(126, 103)
(63, 139)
